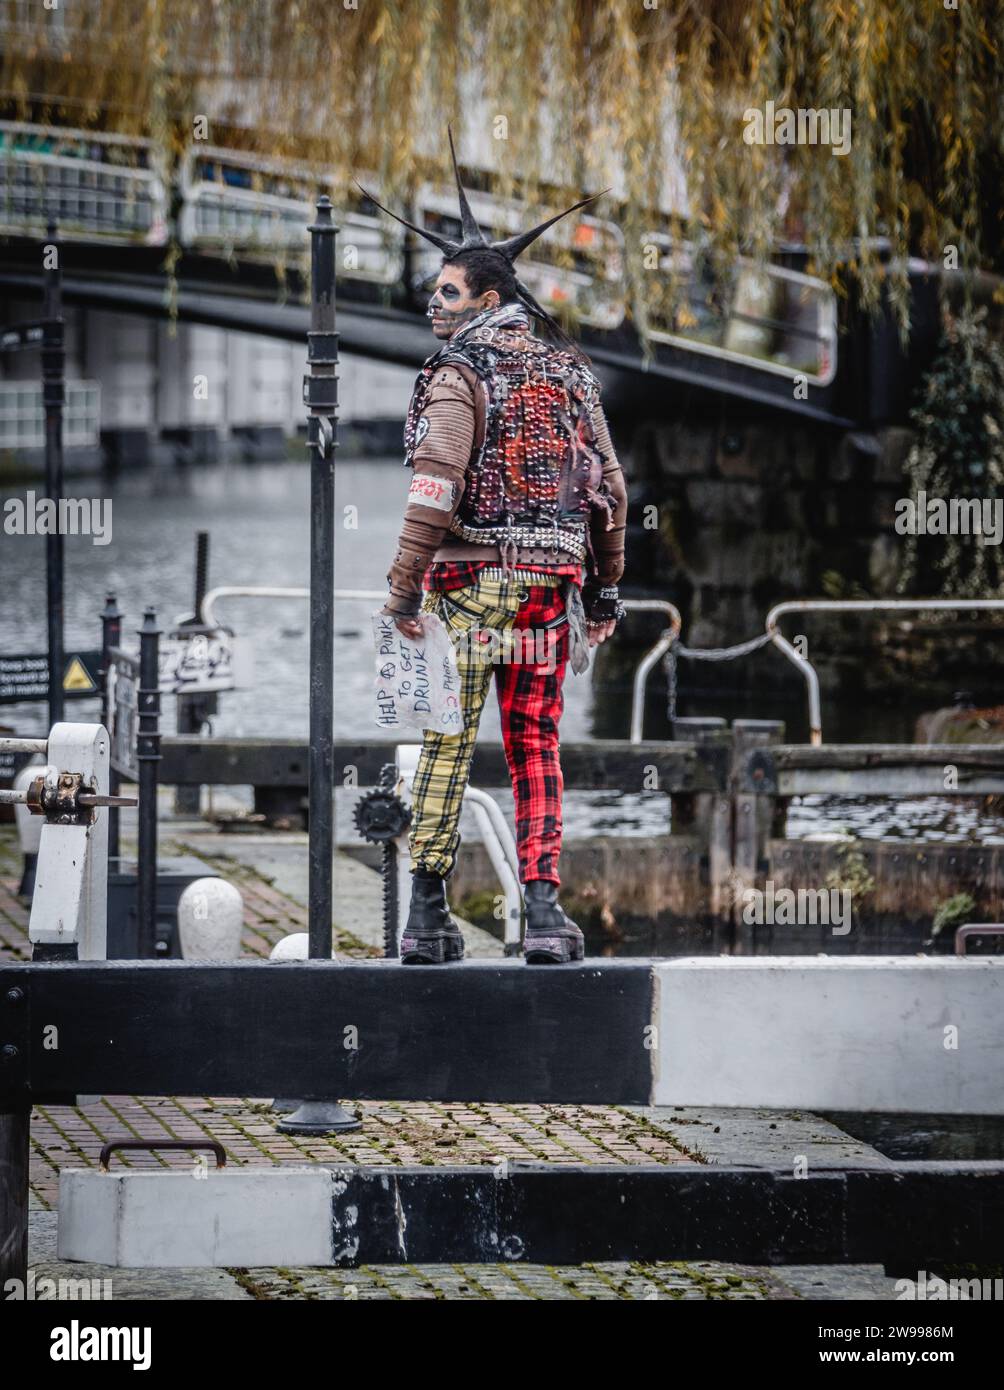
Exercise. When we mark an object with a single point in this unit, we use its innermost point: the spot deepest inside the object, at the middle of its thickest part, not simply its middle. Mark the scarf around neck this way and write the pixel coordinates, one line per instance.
(505, 316)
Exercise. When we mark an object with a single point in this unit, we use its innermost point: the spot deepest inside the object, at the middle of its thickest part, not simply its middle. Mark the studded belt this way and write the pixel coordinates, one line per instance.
(571, 539)
(523, 576)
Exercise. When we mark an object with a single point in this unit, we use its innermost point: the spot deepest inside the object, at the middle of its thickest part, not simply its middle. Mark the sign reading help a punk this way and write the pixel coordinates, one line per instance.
(417, 683)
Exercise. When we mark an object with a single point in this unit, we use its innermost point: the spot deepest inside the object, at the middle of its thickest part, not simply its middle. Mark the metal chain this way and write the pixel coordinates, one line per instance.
(706, 654)
(388, 867)
(388, 777)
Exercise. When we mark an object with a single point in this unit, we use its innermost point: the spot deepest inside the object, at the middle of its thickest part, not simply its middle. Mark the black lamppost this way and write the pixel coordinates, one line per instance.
(320, 395)
(53, 395)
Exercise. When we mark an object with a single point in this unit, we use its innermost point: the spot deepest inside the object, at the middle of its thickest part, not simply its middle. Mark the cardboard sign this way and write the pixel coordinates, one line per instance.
(417, 683)
(200, 662)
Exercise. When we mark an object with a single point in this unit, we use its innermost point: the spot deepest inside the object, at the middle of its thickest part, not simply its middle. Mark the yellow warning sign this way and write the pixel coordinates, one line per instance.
(76, 676)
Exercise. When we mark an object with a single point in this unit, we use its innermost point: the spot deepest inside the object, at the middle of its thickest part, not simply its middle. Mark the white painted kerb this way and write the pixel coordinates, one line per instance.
(868, 1033)
(238, 1217)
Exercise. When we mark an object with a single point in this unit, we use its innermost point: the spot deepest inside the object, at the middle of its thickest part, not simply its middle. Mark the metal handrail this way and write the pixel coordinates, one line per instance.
(662, 646)
(207, 608)
(207, 613)
(819, 605)
(963, 934)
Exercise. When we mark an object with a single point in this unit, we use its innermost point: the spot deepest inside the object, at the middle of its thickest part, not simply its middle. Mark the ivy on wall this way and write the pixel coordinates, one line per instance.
(958, 455)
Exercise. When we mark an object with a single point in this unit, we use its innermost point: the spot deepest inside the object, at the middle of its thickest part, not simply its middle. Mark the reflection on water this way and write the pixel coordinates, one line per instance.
(259, 525)
(258, 518)
(960, 820)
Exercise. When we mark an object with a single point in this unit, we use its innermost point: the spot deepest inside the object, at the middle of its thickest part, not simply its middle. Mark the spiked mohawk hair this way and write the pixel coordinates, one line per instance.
(473, 238)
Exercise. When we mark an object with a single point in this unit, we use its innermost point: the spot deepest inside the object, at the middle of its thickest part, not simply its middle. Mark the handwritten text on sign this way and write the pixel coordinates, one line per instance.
(417, 683)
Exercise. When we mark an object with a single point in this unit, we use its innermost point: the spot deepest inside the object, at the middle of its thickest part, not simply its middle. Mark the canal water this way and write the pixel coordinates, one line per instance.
(258, 517)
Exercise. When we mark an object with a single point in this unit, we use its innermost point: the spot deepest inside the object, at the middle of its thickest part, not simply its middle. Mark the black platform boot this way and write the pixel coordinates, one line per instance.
(431, 936)
(552, 938)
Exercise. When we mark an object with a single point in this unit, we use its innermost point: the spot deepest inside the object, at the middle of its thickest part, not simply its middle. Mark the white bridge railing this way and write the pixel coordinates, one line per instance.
(99, 186)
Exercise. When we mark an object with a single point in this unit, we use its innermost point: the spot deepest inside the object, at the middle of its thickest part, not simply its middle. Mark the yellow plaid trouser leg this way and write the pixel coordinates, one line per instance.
(444, 764)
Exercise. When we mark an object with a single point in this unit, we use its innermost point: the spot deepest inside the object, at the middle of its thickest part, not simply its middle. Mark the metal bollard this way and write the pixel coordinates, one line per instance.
(296, 946)
(307, 1116)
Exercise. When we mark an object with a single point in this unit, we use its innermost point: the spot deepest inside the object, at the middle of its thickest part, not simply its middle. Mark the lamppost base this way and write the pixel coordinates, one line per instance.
(319, 1117)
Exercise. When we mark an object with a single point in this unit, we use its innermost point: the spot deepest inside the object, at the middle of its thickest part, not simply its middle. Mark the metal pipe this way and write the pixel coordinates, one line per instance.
(320, 390)
(208, 607)
(201, 568)
(24, 745)
(194, 710)
(501, 826)
(488, 815)
(825, 605)
(53, 366)
(111, 636)
(15, 1149)
(649, 660)
(147, 756)
(963, 934)
(640, 681)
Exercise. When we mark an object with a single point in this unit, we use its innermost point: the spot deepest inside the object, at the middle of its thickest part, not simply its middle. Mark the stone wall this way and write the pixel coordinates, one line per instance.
(731, 515)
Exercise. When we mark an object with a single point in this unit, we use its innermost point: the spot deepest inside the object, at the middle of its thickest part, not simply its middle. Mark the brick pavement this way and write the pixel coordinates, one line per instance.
(391, 1134)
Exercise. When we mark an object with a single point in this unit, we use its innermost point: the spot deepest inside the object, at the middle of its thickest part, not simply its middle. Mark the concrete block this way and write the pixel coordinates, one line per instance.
(199, 1217)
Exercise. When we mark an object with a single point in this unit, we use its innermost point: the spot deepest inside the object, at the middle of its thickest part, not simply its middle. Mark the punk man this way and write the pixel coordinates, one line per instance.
(513, 535)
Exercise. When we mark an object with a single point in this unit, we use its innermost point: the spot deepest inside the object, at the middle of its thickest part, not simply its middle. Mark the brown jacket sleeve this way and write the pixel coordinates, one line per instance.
(439, 466)
(608, 545)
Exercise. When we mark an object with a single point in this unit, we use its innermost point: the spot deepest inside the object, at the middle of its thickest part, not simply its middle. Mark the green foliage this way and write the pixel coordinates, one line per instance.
(952, 913)
(958, 453)
(851, 873)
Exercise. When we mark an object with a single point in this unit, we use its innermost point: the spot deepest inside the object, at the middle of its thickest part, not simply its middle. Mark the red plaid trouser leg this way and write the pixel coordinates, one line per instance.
(530, 703)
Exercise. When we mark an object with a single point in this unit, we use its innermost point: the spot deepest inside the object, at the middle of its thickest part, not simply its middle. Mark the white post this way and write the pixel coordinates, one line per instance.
(406, 756)
(210, 920)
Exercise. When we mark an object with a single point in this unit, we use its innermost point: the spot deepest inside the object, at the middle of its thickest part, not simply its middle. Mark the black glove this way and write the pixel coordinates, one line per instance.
(601, 603)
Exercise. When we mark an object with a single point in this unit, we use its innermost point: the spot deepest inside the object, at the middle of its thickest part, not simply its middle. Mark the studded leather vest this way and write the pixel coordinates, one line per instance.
(539, 462)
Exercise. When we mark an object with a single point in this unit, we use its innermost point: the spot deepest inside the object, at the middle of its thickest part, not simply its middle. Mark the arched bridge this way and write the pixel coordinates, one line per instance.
(773, 342)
